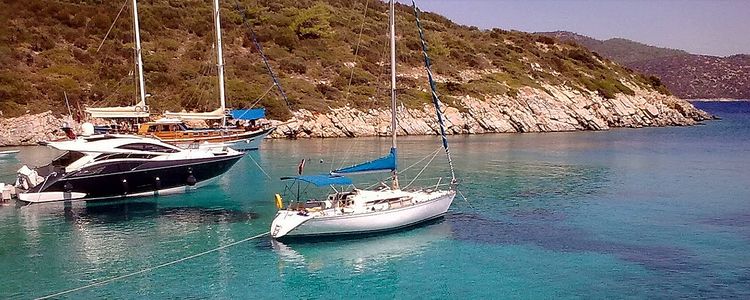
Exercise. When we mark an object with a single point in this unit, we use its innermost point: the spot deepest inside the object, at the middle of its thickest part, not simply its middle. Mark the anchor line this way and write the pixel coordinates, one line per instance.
(107, 281)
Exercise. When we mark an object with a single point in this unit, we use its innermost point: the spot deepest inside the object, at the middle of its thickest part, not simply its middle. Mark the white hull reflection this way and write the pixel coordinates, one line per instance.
(363, 253)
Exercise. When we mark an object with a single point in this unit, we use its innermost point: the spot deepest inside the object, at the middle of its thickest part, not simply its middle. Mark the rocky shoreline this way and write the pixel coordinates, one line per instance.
(28, 130)
(533, 110)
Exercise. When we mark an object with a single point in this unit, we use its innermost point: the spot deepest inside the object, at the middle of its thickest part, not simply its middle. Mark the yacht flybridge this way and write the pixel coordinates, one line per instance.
(360, 210)
(115, 166)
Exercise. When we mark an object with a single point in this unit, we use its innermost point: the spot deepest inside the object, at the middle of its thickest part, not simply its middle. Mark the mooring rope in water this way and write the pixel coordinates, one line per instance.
(106, 281)
(466, 200)
(259, 167)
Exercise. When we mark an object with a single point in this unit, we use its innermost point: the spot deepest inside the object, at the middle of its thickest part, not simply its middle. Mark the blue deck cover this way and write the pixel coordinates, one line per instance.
(321, 180)
(248, 114)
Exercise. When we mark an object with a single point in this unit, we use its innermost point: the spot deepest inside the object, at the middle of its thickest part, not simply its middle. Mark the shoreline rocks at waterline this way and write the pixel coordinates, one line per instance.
(28, 130)
(533, 110)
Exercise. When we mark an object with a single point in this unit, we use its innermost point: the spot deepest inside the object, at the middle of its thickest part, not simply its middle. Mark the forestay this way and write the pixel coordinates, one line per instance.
(435, 98)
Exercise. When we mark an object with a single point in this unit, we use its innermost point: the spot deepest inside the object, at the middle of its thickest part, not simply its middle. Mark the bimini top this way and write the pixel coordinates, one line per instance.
(321, 180)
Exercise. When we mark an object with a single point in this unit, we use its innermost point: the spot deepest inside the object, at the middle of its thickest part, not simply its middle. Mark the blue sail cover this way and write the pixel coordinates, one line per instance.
(248, 114)
(321, 180)
(383, 164)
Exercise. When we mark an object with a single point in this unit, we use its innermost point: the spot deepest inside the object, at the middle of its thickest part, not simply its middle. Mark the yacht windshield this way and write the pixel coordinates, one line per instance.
(148, 147)
(67, 158)
(59, 163)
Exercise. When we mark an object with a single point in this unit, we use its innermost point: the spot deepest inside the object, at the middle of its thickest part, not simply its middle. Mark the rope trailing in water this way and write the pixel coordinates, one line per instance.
(106, 281)
(259, 167)
(262, 55)
(435, 98)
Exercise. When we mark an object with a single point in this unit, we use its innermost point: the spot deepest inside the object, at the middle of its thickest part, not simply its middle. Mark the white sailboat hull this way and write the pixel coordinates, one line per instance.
(291, 224)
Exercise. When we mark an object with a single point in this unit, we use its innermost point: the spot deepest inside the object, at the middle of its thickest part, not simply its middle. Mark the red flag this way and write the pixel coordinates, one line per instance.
(301, 167)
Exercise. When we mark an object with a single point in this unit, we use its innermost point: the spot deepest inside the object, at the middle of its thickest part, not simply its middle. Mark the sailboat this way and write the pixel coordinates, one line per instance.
(140, 109)
(359, 211)
(172, 129)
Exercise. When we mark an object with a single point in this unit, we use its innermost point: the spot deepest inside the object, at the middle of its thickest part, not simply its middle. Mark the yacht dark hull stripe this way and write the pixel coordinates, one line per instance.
(148, 177)
(143, 164)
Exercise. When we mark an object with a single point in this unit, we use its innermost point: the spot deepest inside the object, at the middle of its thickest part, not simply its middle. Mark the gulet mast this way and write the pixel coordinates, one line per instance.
(138, 59)
(392, 21)
(219, 60)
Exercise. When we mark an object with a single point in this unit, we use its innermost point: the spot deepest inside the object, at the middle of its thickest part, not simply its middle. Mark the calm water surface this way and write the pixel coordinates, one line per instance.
(630, 213)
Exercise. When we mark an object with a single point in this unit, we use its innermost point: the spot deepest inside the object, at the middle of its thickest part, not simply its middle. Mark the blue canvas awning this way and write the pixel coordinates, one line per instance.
(383, 164)
(321, 180)
(248, 114)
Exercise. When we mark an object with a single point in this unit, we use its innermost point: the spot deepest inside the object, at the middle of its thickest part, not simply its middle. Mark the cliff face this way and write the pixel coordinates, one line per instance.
(534, 110)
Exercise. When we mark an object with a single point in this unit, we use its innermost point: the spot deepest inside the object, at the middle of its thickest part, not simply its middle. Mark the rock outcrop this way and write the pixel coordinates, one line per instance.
(31, 129)
(533, 110)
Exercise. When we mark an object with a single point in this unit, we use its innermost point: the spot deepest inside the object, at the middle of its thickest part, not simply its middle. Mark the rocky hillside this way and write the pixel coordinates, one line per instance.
(702, 76)
(324, 64)
(687, 75)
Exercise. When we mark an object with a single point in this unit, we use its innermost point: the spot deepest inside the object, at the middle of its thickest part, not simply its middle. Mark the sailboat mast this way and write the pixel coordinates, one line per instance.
(394, 124)
(138, 59)
(219, 60)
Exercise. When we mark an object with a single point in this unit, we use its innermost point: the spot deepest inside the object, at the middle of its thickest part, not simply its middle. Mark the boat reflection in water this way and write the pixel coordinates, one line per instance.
(113, 212)
(362, 252)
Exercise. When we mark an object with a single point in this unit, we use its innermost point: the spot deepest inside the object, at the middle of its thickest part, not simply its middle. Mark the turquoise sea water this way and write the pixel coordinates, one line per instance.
(629, 213)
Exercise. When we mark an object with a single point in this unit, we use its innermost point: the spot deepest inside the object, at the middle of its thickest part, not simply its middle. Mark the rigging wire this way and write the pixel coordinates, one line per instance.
(435, 99)
(423, 168)
(356, 51)
(107, 281)
(112, 26)
(420, 160)
(409, 167)
(262, 55)
(356, 55)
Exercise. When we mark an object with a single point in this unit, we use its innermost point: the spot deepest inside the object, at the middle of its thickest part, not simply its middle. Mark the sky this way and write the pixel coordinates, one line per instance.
(712, 27)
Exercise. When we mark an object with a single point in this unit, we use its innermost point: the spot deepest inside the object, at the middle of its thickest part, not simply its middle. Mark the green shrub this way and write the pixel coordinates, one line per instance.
(313, 22)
